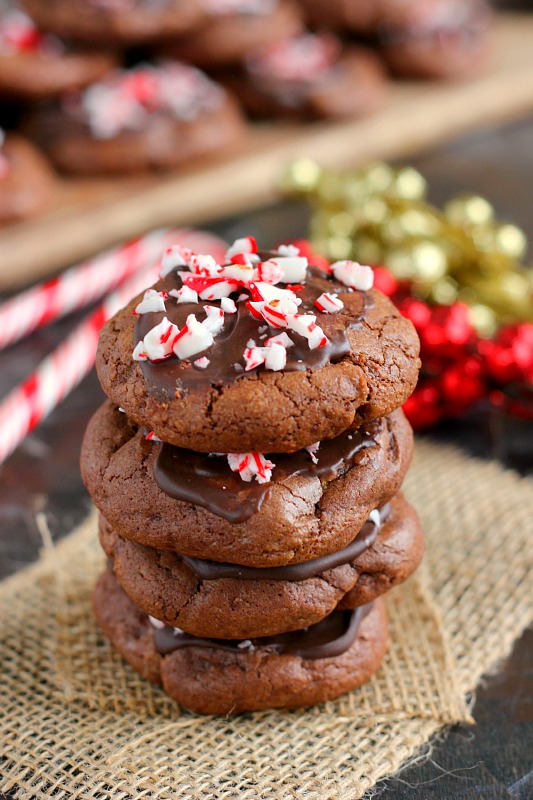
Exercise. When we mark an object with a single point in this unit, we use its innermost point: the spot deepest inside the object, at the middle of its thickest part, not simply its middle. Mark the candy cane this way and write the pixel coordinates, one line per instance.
(33, 400)
(81, 285)
(78, 286)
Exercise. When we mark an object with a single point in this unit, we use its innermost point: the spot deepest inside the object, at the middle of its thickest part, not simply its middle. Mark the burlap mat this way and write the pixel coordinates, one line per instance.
(76, 722)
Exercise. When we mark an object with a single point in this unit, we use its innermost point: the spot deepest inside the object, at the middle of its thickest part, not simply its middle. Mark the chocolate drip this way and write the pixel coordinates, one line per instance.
(328, 638)
(207, 481)
(226, 353)
(213, 570)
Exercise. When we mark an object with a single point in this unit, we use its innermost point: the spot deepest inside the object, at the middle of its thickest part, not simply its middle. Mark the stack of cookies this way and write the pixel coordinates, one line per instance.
(247, 468)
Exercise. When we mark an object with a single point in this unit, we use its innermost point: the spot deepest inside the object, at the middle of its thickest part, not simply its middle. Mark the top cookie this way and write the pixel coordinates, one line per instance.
(263, 354)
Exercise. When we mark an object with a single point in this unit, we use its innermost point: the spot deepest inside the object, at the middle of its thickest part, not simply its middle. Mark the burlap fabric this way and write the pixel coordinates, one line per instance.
(76, 722)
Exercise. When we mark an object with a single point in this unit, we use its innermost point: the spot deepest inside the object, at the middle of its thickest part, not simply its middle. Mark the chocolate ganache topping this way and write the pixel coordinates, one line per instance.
(225, 355)
(213, 570)
(328, 638)
(207, 481)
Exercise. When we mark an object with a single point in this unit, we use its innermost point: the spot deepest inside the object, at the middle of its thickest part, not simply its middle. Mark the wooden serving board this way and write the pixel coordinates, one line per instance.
(90, 216)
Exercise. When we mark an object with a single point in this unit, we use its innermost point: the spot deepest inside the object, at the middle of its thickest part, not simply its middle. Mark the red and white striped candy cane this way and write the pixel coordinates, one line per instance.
(77, 287)
(83, 284)
(36, 397)
(30, 402)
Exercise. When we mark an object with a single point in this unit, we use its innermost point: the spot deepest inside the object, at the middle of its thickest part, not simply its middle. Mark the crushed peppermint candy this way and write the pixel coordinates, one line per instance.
(202, 363)
(173, 257)
(305, 325)
(152, 301)
(288, 250)
(19, 34)
(251, 465)
(312, 450)
(126, 99)
(184, 295)
(156, 623)
(245, 245)
(304, 58)
(158, 344)
(280, 338)
(228, 305)
(353, 274)
(151, 437)
(329, 303)
(193, 338)
(214, 321)
(375, 517)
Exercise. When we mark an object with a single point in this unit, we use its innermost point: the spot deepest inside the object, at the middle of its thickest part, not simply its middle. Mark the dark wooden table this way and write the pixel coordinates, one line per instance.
(493, 760)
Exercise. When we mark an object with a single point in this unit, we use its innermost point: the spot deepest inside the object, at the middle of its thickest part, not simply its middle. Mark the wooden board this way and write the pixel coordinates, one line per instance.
(92, 215)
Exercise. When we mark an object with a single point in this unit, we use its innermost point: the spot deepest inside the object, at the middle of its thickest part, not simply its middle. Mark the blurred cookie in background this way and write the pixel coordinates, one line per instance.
(27, 183)
(418, 38)
(310, 76)
(116, 22)
(36, 65)
(151, 117)
(235, 29)
(437, 39)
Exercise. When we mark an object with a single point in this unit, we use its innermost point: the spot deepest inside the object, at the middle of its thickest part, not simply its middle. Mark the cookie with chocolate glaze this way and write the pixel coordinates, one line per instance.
(191, 503)
(437, 38)
(236, 29)
(123, 23)
(146, 118)
(38, 66)
(338, 361)
(226, 601)
(27, 183)
(310, 76)
(213, 677)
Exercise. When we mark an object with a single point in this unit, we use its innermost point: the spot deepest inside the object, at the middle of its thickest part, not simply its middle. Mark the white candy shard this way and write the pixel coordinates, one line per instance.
(280, 338)
(151, 437)
(312, 450)
(204, 265)
(202, 363)
(158, 342)
(375, 517)
(156, 622)
(228, 305)
(245, 245)
(240, 272)
(214, 321)
(329, 303)
(151, 302)
(353, 274)
(251, 465)
(266, 291)
(253, 356)
(269, 271)
(192, 339)
(218, 290)
(275, 357)
(305, 325)
(173, 257)
(294, 269)
(288, 250)
(184, 295)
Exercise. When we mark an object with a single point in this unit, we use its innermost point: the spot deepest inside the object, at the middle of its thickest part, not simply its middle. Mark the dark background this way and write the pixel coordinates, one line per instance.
(490, 761)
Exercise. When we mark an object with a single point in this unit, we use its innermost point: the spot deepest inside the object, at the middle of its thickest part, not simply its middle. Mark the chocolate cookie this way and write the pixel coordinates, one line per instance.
(361, 16)
(214, 677)
(37, 66)
(284, 368)
(304, 512)
(27, 184)
(147, 118)
(437, 38)
(234, 30)
(311, 76)
(208, 598)
(122, 23)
